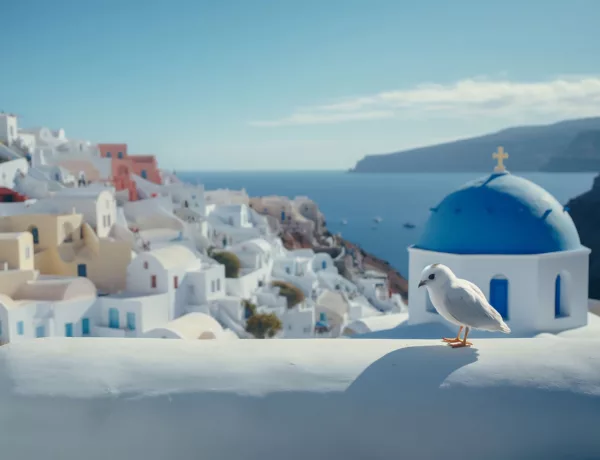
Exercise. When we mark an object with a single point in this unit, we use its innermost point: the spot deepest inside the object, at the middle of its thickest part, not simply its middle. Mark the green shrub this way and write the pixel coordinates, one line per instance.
(262, 325)
(231, 262)
(293, 295)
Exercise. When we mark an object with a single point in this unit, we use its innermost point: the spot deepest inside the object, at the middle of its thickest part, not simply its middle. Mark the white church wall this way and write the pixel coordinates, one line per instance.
(573, 268)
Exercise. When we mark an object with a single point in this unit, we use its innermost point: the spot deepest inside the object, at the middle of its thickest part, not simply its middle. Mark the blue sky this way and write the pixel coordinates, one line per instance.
(282, 84)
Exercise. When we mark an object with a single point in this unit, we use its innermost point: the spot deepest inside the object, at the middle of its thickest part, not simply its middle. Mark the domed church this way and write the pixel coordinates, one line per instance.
(517, 243)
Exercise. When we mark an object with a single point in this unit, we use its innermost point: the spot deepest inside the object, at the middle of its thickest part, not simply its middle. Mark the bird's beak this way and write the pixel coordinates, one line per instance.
(421, 283)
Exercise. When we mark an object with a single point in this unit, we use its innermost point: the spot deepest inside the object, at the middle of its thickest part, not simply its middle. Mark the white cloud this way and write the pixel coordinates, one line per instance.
(561, 97)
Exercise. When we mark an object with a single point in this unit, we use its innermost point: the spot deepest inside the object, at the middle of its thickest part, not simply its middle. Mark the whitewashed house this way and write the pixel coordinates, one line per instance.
(256, 260)
(129, 314)
(96, 204)
(48, 307)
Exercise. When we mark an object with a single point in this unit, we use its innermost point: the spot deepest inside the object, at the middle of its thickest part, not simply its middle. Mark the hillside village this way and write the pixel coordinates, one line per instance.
(96, 241)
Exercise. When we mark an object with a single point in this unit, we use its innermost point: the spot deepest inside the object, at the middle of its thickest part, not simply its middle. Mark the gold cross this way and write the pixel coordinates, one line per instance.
(500, 156)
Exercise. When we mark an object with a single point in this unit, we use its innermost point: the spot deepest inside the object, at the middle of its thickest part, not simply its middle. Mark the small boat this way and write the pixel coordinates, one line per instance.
(409, 225)
(377, 220)
(344, 222)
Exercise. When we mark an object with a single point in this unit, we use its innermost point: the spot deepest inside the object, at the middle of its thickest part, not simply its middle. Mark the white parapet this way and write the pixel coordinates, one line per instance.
(347, 399)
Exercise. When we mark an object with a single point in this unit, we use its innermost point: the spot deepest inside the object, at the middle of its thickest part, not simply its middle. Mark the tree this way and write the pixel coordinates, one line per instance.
(262, 325)
(231, 262)
(293, 295)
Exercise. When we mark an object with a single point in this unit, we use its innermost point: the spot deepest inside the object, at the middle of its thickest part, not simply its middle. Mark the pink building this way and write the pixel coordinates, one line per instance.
(121, 167)
(146, 167)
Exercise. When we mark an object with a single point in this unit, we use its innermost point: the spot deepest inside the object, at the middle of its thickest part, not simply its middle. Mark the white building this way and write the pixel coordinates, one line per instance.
(48, 307)
(8, 128)
(517, 243)
(97, 204)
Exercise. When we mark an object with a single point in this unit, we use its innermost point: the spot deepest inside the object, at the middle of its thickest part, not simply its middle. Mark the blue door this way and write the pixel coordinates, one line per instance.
(324, 264)
(85, 326)
(36, 235)
(282, 216)
(113, 318)
(82, 270)
(499, 296)
(144, 174)
(69, 330)
(40, 331)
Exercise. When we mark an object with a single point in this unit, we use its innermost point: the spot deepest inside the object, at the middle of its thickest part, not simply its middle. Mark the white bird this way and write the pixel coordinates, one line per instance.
(460, 302)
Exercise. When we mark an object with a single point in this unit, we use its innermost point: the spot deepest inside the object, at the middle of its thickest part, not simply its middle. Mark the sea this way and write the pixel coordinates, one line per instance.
(352, 202)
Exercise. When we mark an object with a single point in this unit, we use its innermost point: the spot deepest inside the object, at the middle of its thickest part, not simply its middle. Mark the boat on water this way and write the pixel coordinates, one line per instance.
(377, 219)
(344, 222)
(409, 225)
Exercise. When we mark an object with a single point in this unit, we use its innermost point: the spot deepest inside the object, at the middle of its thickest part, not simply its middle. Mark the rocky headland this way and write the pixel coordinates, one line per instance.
(585, 212)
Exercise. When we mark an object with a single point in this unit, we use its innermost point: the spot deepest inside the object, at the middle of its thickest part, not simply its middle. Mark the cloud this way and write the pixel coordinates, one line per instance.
(481, 97)
(314, 118)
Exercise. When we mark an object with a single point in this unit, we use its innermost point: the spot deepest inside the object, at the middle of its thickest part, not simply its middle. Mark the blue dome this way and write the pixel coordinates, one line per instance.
(499, 214)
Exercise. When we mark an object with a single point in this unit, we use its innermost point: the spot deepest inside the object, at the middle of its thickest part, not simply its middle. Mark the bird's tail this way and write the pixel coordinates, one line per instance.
(504, 328)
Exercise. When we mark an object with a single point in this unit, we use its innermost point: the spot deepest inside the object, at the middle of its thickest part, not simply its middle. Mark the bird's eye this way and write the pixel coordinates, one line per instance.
(432, 276)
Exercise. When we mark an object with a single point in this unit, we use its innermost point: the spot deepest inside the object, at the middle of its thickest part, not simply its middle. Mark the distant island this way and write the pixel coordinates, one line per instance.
(566, 146)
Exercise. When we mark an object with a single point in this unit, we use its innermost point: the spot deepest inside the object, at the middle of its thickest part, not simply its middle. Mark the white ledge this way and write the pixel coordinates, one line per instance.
(299, 399)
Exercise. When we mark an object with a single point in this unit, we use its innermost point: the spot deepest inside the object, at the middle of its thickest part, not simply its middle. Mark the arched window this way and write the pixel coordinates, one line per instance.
(561, 298)
(499, 295)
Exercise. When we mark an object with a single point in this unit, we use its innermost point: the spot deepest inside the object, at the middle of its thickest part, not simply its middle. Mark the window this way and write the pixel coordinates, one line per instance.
(144, 174)
(175, 282)
(499, 295)
(131, 321)
(69, 330)
(85, 326)
(120, 155)
(81, 231)
(212, 286)
(27, 252)
(36, 234)
(218, 285)
(561, 302)
(108, 220)
(107, 154)
(104, 221)
(153, 281)
(145, 265)
(20, 328)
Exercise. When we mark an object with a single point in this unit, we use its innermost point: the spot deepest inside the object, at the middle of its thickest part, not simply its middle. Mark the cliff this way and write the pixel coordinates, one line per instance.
(563, 146)
(397, 283)
(585, 212)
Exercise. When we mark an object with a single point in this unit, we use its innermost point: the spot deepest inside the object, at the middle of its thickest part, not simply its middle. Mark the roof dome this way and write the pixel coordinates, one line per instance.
(499, 214)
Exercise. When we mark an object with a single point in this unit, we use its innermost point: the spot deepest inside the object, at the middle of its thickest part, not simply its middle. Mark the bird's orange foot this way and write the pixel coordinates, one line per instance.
(460, 344)
(452, 340)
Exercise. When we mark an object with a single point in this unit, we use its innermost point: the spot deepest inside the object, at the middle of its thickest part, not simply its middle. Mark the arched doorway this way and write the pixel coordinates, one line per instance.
(499, 295)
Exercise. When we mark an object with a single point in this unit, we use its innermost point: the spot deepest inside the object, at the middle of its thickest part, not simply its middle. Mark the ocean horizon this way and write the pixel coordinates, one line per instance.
(359, 198)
